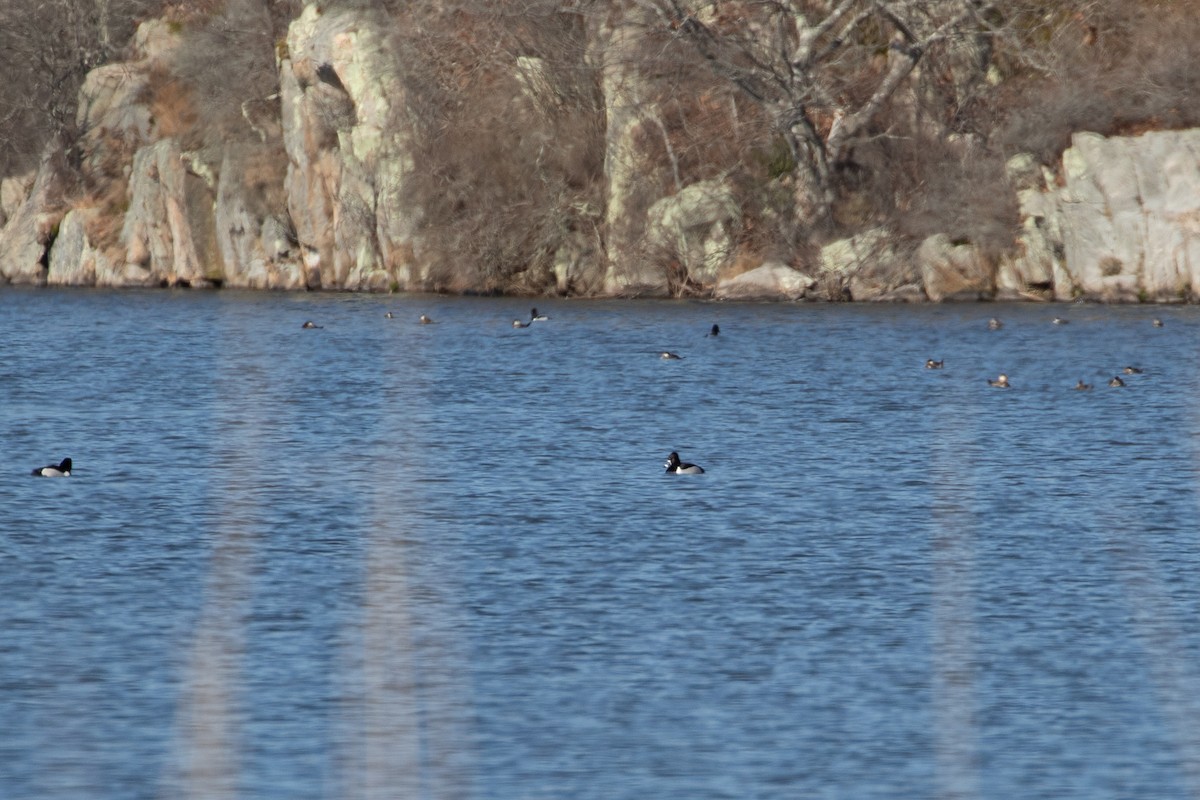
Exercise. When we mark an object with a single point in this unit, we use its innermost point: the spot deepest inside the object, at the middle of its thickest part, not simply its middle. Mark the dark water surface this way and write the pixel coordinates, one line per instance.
(387, 560)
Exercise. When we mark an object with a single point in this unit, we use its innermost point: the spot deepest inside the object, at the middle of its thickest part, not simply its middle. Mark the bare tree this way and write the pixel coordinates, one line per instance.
(46, 50)
(824, 71)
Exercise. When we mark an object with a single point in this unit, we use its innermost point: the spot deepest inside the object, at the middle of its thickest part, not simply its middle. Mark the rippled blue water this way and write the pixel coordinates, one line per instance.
(383, 560)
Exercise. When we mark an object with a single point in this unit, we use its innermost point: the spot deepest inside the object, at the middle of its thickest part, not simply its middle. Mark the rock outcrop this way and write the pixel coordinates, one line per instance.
(954, 271)
(630, 167)
(695, 229)
(313, 194)
(33, 222)
(1120, 223)
(168, 236)
(869, 267)
(771, 281)
(1131, 216)
(348, 141)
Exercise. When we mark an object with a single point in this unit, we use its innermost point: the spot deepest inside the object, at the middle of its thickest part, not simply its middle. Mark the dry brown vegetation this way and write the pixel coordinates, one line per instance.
(1111, 67)
(510, 123)
(510, 151)
(46, 50)
(226, 60)
(1022, 76)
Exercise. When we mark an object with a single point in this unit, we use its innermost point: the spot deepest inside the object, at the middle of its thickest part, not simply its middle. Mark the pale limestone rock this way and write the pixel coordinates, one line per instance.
(275, 239)
(238, 231)
(1037, 264)
(113, 110)
(255, 253)
(33, 224)
(771, 281)
(952, 271)
(1131, 215)
(1035, 270)
(75, 259)
(169, 232)
(349, 142)
(72, 257)
(1102, 218)
(110, 103)
(696, 228)
(155, 40)
(630, 168)
(13, 191)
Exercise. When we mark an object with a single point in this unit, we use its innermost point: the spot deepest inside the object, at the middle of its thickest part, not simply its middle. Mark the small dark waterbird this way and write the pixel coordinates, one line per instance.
(677, 467)
(60, 470)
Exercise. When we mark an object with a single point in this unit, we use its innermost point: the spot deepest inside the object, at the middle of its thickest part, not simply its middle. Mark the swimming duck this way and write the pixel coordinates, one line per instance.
(1060, 321)
(1081, 386)
(995, 324)
(669, 356)
(1001, 382)
(716, 330)
(59, 470)
(534, 316)
(677, 467)
(425, 320)
(311, 324)
(1116, 381)
(518, 324)
(931, 364)
(389, 315)
(1132, 371)
(1158, 323)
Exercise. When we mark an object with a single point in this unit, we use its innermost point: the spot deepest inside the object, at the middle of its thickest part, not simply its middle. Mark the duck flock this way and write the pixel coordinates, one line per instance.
(1001, 380)
(674, 465)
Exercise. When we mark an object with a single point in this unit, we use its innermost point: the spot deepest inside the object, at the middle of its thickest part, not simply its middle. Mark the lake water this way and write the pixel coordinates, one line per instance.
(389, 560)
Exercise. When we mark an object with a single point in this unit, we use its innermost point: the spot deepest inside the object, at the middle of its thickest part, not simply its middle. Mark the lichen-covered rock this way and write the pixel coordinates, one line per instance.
(13, 191)
(771, 281)
(169, 232)
(631, 163)
(257, 250)
(696, 228)
(113, 112)
(31, 227)
(1131, 215)
(349, 143)
(75, 258)
(1035, 270)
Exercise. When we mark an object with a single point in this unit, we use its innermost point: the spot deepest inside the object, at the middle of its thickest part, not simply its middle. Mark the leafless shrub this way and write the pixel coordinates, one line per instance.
(46, 50)
(1111, 67)
(506, 177)
(224, 60)
(957, 188)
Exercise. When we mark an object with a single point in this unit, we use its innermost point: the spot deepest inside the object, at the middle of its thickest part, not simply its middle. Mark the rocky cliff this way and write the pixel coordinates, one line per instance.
(317, 198)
